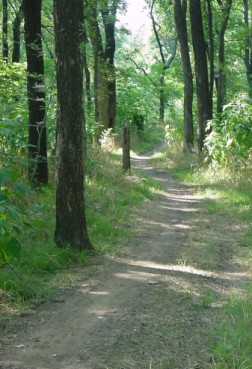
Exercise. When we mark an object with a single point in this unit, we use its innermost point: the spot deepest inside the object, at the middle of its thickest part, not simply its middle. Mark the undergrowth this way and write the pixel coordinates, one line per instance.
(229, 193)
(38, 271)
(142, 142)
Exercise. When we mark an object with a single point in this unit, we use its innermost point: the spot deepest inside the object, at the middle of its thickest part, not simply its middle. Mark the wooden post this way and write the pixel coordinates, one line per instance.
(126, 147)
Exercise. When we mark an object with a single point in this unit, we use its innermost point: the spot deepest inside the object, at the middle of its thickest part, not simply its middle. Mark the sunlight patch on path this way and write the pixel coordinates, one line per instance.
(183, 269)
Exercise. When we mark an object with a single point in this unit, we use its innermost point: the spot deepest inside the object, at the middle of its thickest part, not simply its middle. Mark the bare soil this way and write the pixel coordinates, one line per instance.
(156, 306)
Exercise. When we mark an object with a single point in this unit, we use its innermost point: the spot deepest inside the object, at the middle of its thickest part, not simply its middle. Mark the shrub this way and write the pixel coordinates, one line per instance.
(230, 141)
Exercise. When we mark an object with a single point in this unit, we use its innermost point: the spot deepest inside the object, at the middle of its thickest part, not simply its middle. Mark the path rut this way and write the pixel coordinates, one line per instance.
(155, 306)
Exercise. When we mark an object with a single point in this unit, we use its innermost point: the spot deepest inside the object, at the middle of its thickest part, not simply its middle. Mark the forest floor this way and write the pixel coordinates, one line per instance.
(156, 306)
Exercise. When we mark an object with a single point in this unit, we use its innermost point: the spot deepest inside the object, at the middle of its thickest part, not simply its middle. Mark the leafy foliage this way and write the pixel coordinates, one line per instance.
(230, 141)
(13, 129)
(11, 215)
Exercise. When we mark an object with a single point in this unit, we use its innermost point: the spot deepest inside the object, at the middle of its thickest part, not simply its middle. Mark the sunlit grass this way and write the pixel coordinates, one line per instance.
(144, 141)
(233, 347)
(111, 198)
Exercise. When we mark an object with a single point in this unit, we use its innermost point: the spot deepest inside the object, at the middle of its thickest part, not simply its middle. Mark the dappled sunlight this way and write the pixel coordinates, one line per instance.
(165, 226)
(101, 293)
(182, 268)
(187, 210)
(101, 312)
(182, 226)
(137, 276)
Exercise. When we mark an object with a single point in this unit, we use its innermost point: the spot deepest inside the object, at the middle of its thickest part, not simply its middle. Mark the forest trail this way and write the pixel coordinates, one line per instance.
(154, 307)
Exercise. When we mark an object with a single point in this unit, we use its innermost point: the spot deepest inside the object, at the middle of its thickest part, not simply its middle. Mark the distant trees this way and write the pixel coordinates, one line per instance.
(71, 227)
(165, 60)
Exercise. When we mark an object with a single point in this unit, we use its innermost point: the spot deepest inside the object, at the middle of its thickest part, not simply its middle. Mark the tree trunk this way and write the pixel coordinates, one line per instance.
(37, 150)
(180, 20)
(201, 70)
(162, 96)
(165, 64)
(86, 68)
(5, 50)
(210, 53)
(71, 227)
(126, 147)
(16, 35)
(109, 18)
(104, 70)
(247, 47)
(221, 90)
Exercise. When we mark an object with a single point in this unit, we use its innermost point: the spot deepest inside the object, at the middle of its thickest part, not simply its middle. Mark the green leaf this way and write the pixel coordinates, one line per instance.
(10, 249)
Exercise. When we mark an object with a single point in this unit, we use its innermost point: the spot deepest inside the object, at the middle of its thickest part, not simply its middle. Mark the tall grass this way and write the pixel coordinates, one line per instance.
(233, 347)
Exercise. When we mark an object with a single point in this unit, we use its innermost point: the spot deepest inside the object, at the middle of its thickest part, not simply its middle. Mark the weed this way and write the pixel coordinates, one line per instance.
(206, 300)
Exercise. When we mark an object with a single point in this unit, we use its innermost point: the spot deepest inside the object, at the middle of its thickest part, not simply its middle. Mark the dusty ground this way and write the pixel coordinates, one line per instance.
(154, 307)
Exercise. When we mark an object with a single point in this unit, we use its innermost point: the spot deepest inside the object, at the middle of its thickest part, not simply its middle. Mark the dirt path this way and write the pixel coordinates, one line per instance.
(154, 307)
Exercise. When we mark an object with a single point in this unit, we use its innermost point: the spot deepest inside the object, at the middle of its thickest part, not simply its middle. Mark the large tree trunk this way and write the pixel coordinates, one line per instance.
(16, 35)
(5, 50)
(71, 227)
(201, 70)
(37, 150)
(180, 20)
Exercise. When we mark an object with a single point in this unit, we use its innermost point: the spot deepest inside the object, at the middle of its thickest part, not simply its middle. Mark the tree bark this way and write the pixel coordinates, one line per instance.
(180, 20)
(5, 50)
(221, 90)
(162, 96)
(104, 70)
(16, 35)
(201, 70)
(126, 147)
(71, 226)
(37, 150)
(109, 18)
(248, 47)
(85, 64)
(210, 53)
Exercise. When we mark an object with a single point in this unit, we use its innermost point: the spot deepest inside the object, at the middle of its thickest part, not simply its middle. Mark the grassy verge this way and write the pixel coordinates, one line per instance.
(233, 347)
(228, 195)
(111, 197)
